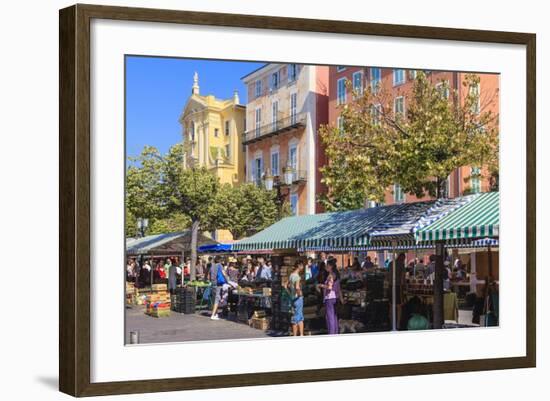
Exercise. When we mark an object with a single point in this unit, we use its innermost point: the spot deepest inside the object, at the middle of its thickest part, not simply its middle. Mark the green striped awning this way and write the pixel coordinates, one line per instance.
(479, 218)
(338, 229)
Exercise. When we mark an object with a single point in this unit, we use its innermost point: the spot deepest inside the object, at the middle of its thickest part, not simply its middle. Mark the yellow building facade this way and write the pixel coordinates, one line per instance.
(212, 131)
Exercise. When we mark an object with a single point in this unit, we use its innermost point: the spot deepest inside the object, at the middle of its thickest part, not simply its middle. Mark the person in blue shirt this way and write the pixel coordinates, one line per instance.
(311, 269)
(264, 272)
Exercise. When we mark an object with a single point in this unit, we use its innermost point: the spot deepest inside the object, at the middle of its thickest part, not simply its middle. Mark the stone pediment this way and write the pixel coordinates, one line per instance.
(194, 104)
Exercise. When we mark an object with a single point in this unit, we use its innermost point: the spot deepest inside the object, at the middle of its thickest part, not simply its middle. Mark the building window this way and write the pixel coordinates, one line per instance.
(293, 107)
(443, 89)
(275, 81)
(216, 132)
(274, 114)
(227, 127)
(258, 121)
(340, 124)
(228, 151)
(292, 72)
(256, 171)
(475, 180)
(340, 68)
(398, 195)
(399, 106)
(475, 91)
(275, 163)
(258, 88)
(293, 160)
(398, 77)
(413, 74)
(341, 91)
(294, 204)
(358, 82)
(375, 79)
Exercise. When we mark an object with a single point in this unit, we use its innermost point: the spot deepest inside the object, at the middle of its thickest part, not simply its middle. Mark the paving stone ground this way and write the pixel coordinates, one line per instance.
(181, 327)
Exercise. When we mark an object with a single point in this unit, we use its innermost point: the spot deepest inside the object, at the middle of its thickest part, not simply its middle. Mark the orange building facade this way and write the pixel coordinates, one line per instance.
(398, 83)
(287, 103)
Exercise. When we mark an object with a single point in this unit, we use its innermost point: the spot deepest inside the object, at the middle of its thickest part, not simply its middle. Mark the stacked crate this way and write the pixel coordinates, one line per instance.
(375, 286)
(280, 305)
(259, 320)
(157, 302)
(184, 300)
(130, 293)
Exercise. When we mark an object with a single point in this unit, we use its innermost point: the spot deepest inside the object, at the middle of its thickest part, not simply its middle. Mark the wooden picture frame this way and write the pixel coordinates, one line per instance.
(74, 203)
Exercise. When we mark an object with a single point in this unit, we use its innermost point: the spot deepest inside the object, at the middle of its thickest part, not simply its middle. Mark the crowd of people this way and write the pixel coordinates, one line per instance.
(226, 273)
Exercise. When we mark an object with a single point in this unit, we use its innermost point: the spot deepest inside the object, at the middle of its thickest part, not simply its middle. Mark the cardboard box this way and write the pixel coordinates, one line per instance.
(260, 323)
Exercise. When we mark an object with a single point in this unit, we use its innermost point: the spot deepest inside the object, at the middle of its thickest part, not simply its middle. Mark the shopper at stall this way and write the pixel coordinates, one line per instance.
(233, 272)
(267, 272)
(367, 264)
(145, 274)
(446, 276)
(172, 277)
(331, 295)
(264, 271)
(430, 270)
(199, 270)
(217, 278)
(297, 299)
(419, 268)
(130, 270)
(308, 273)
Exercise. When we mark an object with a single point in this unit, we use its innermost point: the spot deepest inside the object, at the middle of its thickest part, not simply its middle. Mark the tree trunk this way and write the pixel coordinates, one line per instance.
(194, 239)
(438, 313)
(440, 189)
(438, 318)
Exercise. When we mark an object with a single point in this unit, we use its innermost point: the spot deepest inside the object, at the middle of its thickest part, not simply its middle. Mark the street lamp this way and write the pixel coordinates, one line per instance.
(142, 224)
(288, 174)
(268, 181)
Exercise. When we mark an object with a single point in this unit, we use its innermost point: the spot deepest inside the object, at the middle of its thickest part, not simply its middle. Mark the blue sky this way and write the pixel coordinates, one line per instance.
(158, 88)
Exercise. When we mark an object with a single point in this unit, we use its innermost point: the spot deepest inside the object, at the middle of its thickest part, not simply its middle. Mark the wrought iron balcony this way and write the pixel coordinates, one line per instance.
(265, 131)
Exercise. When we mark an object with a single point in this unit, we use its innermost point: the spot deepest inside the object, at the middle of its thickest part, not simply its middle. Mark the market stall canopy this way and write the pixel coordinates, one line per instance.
(215, 248)
(164, 244)
(335, 230)
(479, 218)
(399, 228)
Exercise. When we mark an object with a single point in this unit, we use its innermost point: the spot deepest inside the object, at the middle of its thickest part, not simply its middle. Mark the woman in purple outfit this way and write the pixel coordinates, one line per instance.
(332, 293)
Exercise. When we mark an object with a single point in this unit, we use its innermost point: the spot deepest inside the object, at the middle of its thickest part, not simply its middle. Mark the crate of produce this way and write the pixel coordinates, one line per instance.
(160, 287)
(259, 313)
(259, 323)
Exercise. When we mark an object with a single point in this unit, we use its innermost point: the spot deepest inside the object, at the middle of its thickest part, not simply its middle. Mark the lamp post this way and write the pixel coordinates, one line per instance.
(142, 224)
(272, 183)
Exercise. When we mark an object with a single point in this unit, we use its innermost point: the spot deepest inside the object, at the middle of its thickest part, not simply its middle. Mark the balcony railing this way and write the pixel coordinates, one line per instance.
(284, 124)
(296, 177)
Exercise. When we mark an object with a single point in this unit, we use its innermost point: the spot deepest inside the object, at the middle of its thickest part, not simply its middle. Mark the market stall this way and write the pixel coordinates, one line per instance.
(476, 225)
(156, 247)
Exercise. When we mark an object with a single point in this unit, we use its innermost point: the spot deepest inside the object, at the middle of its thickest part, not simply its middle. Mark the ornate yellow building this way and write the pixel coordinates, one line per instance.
(212, 131)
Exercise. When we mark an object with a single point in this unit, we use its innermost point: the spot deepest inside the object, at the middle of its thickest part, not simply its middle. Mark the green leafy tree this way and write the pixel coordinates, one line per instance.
(190, 191)
(144, 185)
(377, 145)
(243, 210)
(176, 222)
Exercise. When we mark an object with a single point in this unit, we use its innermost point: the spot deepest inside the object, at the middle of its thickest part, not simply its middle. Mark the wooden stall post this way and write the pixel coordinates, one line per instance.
(394, 290)
(438, 286)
